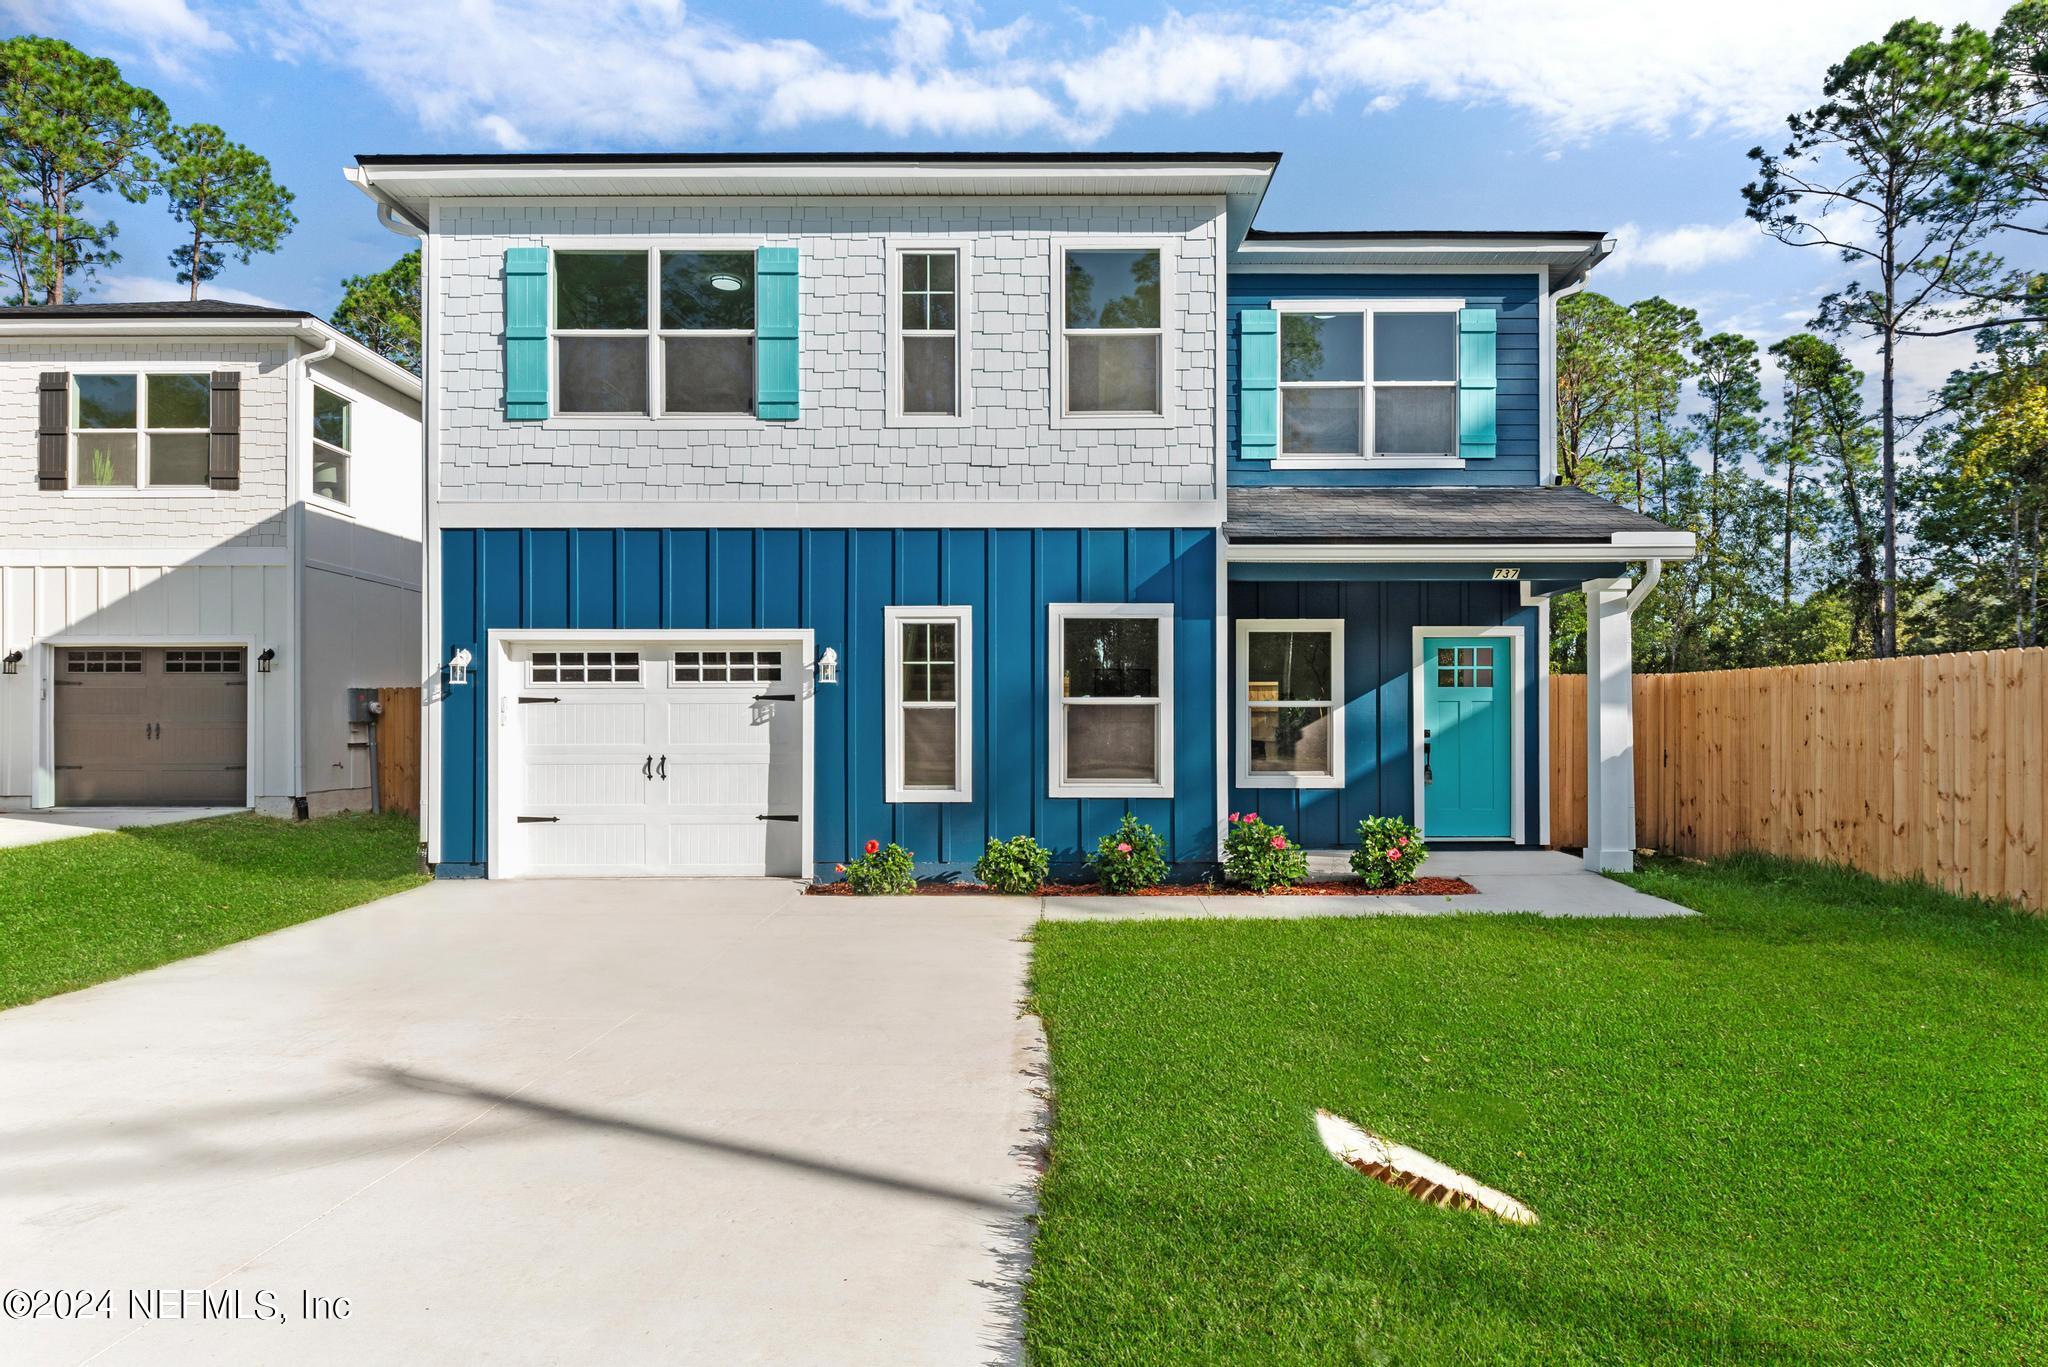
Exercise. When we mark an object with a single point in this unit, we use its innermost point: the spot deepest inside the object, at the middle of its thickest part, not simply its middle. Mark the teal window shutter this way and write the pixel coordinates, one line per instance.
(1477, 330)
(526, 333)
(776, 347)
(1258, 384)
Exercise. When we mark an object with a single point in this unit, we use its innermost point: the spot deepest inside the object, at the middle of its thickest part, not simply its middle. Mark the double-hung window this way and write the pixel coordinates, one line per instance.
(930, 704)
(929, 326)
(1290, 703)
(331, 444)
(1112, 700)
(140, 431)
(1368, 382)
(1111, 341)
(646, 332)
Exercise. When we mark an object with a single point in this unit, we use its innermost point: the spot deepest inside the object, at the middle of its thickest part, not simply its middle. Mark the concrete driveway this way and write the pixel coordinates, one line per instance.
(548, 1122)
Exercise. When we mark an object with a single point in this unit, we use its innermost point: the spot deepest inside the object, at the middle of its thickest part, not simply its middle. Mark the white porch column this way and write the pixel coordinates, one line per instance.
(1610, 729)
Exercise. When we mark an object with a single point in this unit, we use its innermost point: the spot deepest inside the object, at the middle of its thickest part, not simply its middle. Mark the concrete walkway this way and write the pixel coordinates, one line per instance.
(62, 823)
(544, 1122)
(1544, 882)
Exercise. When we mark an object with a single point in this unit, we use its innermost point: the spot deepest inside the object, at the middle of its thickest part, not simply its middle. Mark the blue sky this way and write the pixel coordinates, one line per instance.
(1390, 113)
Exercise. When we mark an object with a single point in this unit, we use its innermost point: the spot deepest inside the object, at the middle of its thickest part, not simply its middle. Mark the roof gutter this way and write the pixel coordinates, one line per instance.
(1625, 546)
(389, 212)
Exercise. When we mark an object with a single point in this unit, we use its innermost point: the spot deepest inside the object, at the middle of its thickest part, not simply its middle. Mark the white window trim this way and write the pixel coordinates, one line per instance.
(142, 488)
(1330, 626)
(1057, 318)
(1365, 459)
(894, 619)
(961, 247)
(1057, 785)
(657, 375)
(1518, 785)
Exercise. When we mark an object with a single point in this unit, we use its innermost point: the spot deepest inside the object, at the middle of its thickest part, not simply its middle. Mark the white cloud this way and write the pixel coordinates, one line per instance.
(1689, 247)
(660, 72)
(144, 289)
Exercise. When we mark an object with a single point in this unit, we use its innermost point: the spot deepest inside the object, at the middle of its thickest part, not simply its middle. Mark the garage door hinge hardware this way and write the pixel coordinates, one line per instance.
(775, 697)
(540, 699)
(534, 820)
(776, 816)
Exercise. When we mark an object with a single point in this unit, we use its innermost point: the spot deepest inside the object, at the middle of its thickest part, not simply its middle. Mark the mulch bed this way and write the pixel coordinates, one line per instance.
(1337, 887)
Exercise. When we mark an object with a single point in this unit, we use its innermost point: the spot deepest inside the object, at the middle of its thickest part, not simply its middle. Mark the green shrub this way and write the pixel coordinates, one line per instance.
(1389, 851)
(1129, 858)
(1256, 855)
(1016, 866)
(881, 871)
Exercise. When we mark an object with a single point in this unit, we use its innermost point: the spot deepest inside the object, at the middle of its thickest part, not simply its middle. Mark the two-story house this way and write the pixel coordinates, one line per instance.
(781, 503)
(212, 533)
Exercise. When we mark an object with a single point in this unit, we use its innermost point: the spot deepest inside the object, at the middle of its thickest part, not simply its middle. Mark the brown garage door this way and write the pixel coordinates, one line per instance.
(152, 727)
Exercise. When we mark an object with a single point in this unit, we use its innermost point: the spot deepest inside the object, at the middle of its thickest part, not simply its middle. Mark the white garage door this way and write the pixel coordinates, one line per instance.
(654, 758)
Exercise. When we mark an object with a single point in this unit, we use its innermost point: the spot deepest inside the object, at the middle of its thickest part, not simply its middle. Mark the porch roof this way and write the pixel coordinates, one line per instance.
(1487, 520)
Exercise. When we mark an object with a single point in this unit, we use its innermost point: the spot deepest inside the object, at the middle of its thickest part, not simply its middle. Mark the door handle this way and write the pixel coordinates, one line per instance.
(1428, 774)
(647, 768)
(662, 771)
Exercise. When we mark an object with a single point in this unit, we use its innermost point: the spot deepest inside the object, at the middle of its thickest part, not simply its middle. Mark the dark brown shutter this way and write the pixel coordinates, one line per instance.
(53, 429)
(224, 442)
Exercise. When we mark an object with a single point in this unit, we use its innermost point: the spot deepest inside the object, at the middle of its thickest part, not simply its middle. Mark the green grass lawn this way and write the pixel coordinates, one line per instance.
(1809, 1126)
(80, 911)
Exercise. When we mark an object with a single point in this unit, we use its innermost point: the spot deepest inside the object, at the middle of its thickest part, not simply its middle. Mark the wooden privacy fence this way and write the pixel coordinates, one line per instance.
(1932, 766)
(398, 750)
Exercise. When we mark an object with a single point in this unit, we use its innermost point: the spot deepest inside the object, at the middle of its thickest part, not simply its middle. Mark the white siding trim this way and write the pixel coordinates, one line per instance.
(1195, 513)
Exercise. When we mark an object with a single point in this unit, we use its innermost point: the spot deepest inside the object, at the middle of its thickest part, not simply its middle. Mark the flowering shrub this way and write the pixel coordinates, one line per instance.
(1016, 866)
(1256, 855)
(1389, 851)
(881, 870)
(1130, 858)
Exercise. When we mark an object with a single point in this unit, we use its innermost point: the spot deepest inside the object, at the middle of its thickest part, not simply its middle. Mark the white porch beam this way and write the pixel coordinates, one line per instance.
(1610, 728)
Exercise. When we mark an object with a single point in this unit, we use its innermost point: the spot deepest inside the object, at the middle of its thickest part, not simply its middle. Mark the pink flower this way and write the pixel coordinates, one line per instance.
(1279, 842)
(1402, 842)
(839, 868)
(874, 847)
(1233, 818)
(1123, 847)
(1393, 856)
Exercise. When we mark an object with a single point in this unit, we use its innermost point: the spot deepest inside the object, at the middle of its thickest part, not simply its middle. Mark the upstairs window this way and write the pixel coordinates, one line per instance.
(331, 445)
(640, 332)
(140, 431)
(928, 333)
(1112, 337)
(1358, 381)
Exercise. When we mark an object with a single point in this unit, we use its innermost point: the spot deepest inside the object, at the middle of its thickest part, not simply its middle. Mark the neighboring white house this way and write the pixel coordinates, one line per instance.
(211, 534)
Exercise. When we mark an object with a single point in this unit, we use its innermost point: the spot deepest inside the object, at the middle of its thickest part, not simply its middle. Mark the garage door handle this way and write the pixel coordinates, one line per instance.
(661, 770)
(647, 767)
(775, 697)
(776, 816)
(540, 700)
(536, 820)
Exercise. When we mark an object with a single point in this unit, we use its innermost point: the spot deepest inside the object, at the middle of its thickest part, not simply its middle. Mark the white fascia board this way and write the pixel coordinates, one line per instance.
(1678, 546)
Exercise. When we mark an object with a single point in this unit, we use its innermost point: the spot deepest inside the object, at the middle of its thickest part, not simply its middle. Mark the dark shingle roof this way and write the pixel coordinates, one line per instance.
(166, 308)
(1424, 235)
(1525, 513)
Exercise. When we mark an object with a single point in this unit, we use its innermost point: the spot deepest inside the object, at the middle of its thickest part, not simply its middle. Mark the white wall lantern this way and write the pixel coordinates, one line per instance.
(828, 666)
(458, 666)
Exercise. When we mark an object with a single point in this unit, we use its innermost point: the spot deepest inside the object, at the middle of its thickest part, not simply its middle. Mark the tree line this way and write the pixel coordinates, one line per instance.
(1924, 170)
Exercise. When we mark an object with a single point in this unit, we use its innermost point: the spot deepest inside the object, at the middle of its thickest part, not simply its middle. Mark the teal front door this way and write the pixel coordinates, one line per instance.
(1467, 737)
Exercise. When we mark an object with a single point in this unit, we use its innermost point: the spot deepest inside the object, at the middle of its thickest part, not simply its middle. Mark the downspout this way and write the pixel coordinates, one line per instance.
(300, 471)
(1653, 570)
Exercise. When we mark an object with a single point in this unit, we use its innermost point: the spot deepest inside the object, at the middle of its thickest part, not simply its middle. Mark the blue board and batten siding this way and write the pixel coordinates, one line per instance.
(837, 582)
(1380, 618)
(1517, 362)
